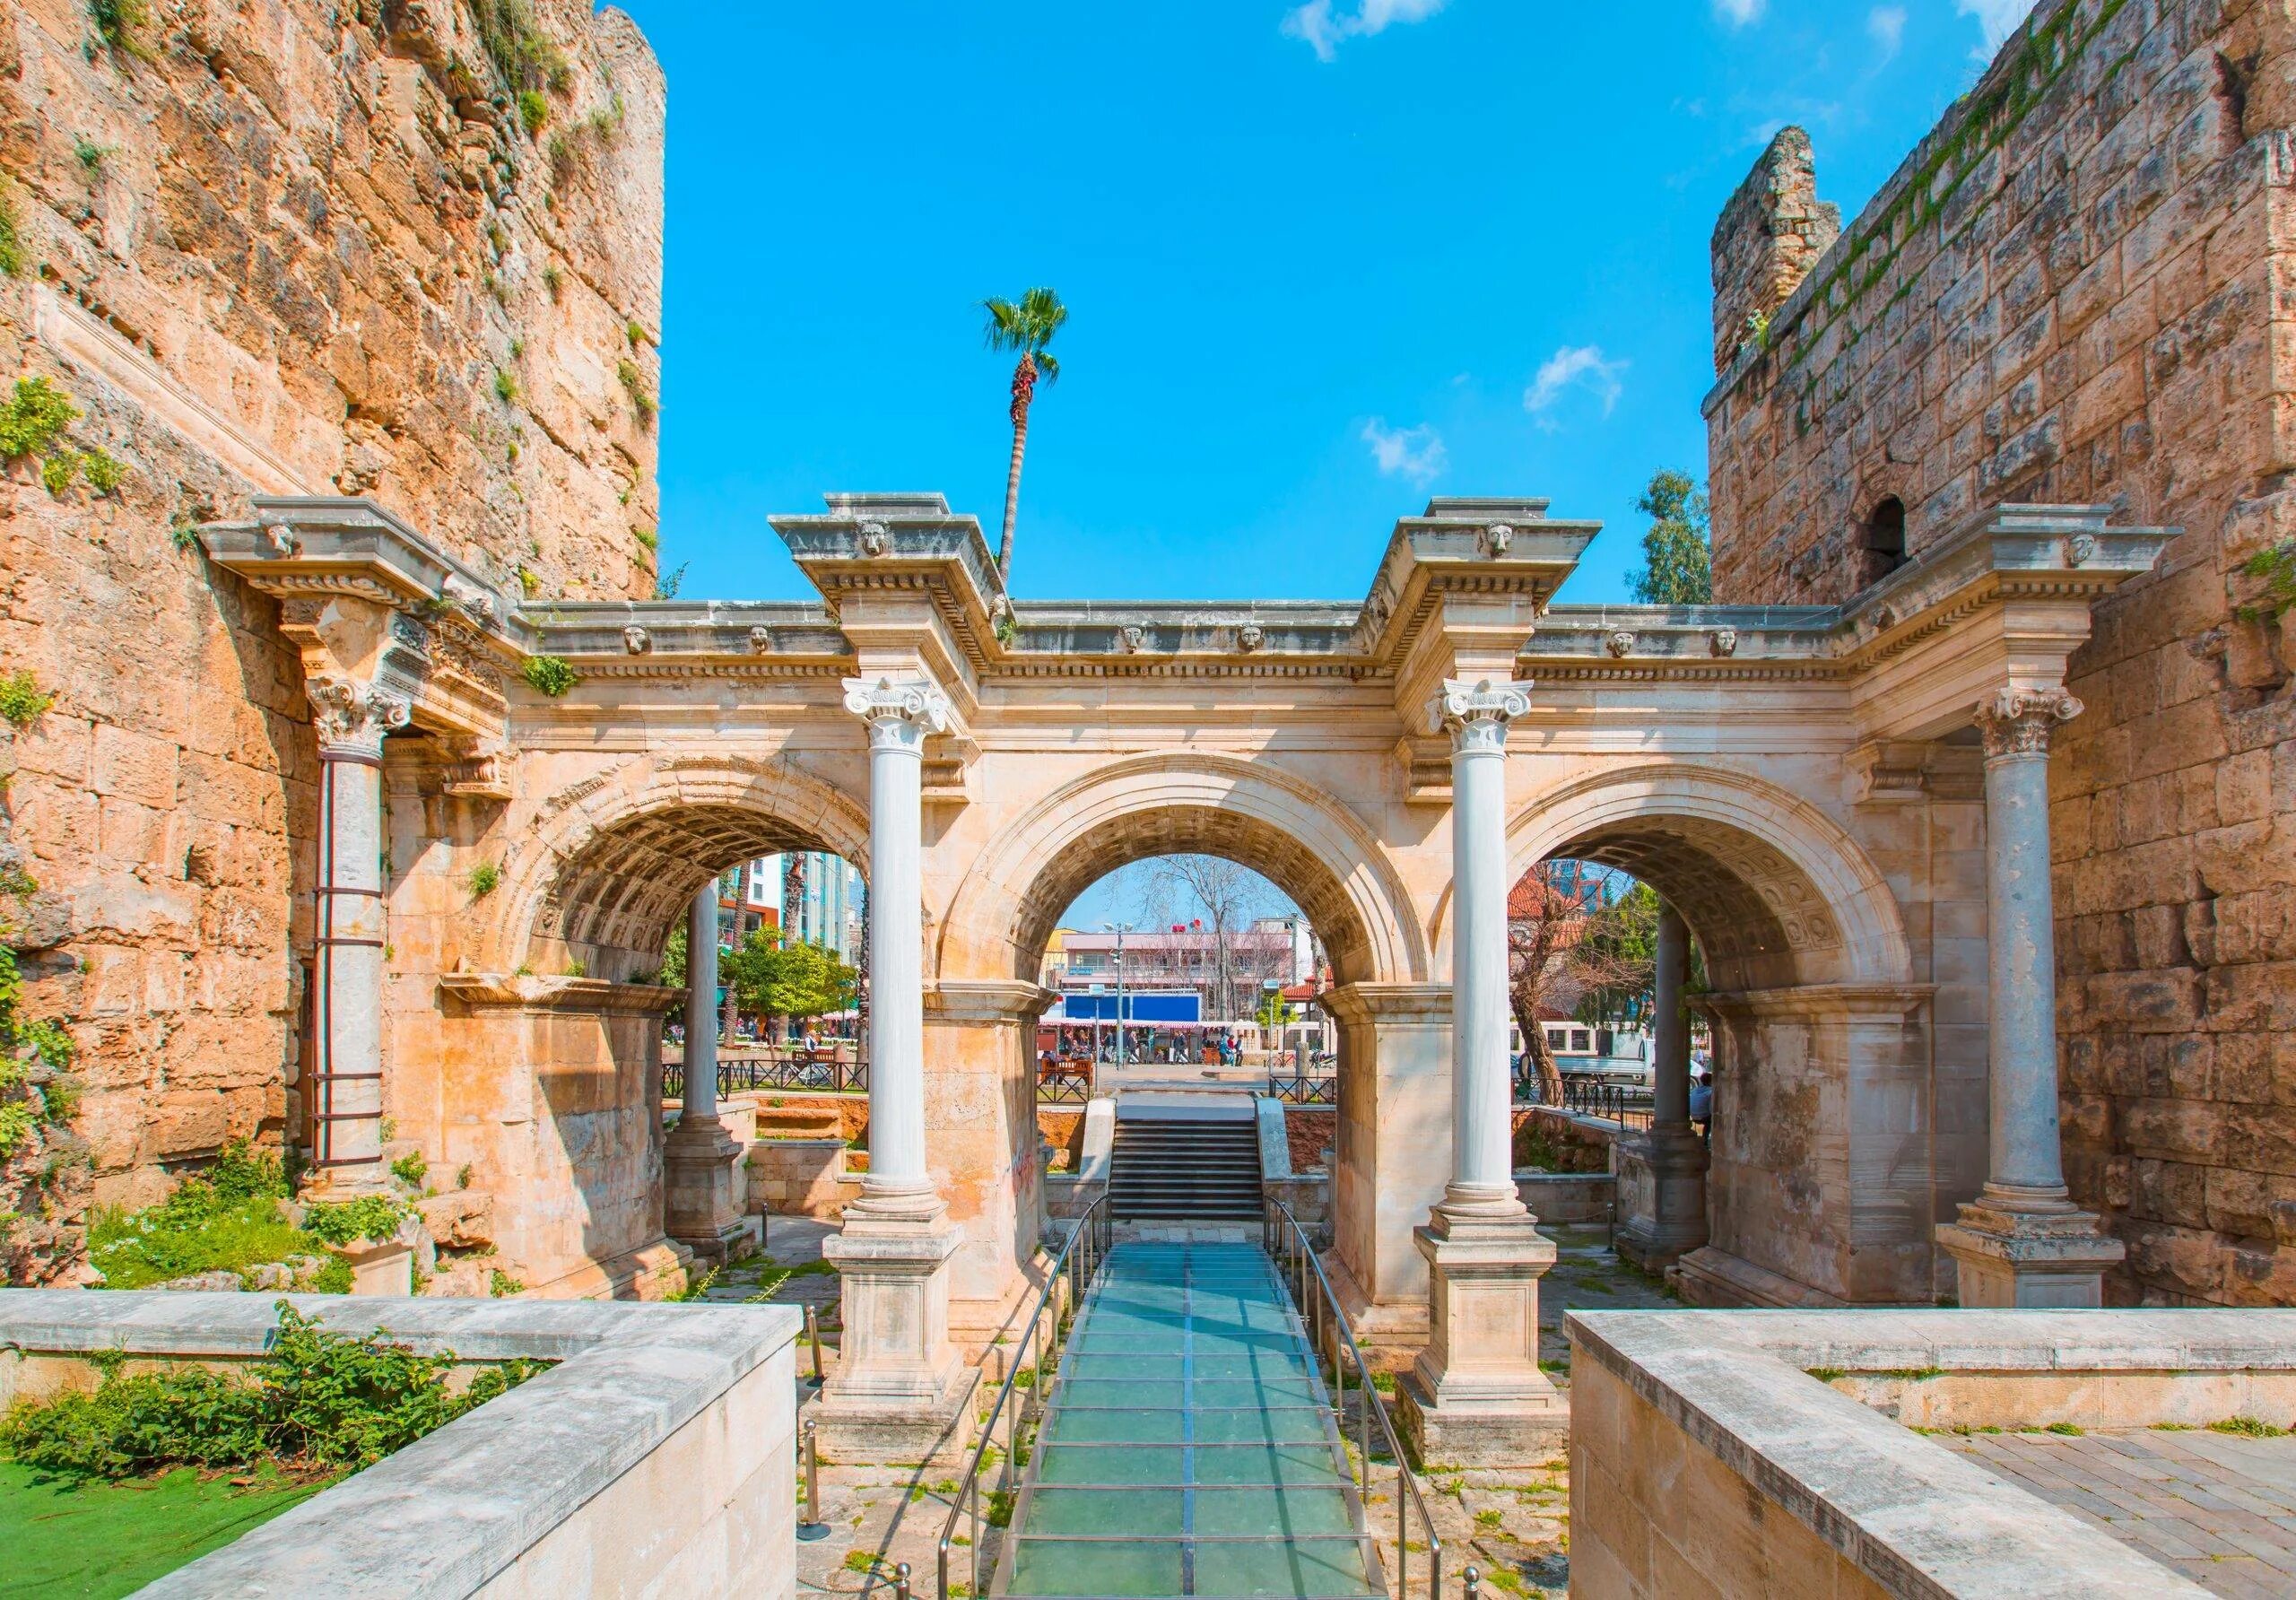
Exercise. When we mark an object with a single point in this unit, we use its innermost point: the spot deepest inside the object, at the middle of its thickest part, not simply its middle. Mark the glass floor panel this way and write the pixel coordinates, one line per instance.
(1188, 1448)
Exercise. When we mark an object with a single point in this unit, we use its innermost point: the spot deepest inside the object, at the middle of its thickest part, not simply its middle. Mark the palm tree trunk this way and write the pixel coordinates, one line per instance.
(1024, 382)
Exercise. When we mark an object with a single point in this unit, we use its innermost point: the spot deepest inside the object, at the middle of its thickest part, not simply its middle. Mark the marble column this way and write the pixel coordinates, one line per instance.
(705, 1196)
(1662, 1173)
(2022, 1241)
(895, 1394)
(1476, 1396)
(343, 1083)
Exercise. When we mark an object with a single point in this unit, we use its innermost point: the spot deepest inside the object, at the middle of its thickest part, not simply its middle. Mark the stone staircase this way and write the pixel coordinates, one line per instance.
(1185, 1166)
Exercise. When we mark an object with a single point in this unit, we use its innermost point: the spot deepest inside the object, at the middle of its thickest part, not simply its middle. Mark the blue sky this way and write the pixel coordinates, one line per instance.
(1322, 261)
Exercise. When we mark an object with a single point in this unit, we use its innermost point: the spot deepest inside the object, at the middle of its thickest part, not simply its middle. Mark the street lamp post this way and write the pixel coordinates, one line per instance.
(1119, 929)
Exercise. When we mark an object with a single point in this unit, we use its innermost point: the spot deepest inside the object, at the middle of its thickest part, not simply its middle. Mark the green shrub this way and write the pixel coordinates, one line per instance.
(533, 110)
(500, 1284)
(553, 278)
(485, 879)
(2248, 1427)
(410, 1167)
(35, 419)
(2277, 568)
(648, 538)
(22, 701)
(548, 675)
(93, 155)
(506, 386)
(348, 1221)
(60, 469)
(105, 471)
(319, 1401)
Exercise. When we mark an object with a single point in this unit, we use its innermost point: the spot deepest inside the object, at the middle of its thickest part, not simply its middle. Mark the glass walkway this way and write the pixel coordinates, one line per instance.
(1187, 1445)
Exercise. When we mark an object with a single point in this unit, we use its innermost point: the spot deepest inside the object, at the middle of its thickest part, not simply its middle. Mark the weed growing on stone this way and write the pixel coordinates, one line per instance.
(506, 385)
(485, 879)
(533, 110)
(93, 155)
(642, 398)
(2067, 1429)
(225, 1220)
(553, 279)
(2248, 1427)
(105, 471)
(117, 22)
(410, 1167)
(502, 1285)
(318, 1402)
(1488, 1520)
(548, 675)
(12, 241)
(22, 701)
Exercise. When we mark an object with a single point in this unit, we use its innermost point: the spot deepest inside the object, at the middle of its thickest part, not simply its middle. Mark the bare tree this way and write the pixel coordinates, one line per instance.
(1229, 897)
(1547, 920)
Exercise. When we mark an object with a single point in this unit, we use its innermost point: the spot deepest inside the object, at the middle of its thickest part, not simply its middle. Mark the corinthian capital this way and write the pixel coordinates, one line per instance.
(351, 717)
(899, 711)
(2018, 721)
(1476, 715)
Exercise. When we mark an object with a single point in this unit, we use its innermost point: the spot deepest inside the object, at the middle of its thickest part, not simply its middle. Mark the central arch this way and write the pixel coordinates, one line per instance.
(1310, 847)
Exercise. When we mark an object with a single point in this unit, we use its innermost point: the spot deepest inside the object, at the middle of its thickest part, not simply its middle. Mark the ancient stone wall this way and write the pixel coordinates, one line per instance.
(2072, 292)
(284, 247)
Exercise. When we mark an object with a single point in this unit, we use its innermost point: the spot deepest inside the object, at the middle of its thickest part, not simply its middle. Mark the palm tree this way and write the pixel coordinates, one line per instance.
(1027, 326)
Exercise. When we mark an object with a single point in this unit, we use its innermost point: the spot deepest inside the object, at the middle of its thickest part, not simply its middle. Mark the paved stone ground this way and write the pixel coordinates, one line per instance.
(2221, 1509)
(1513, 1526)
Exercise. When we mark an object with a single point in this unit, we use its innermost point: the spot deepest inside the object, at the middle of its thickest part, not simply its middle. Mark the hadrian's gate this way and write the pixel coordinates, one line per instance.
(1830, 797)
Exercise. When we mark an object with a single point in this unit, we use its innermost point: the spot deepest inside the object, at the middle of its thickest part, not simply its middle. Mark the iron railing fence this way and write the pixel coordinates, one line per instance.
(1330, 1333)
(780, 1070)
(1625, 1104)
(1038, 1353)
(1303, 1086)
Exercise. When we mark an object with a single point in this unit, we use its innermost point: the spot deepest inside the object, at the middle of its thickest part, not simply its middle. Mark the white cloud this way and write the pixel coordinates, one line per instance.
(1740, 13)
(1886, 24)
(1323, 29)
(1996, 19)
(1580, 366)
(1413, 453)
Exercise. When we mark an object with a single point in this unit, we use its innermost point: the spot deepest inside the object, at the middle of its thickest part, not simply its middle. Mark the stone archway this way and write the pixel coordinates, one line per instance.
(546, 1069)
(1393, 1022)
(610, 859)
(1251, 813)
(1823, 1184)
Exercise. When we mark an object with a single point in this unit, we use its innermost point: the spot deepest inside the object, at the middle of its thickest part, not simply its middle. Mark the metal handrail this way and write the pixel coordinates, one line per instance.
(1080, 1256)
(1288, 1242)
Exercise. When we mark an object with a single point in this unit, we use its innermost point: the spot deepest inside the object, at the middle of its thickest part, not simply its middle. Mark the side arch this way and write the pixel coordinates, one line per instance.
(1314, 849)
(611, 860)
(1777, 891)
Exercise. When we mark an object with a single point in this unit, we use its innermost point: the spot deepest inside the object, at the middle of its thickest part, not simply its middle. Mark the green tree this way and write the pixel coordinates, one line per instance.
(1677, 562)
(674, 958)
(1026, 325)
(778, 980)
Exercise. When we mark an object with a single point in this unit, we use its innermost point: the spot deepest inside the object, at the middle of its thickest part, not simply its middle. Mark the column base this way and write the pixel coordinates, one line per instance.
(2007, 1258)
(898, 1395)
(1476, 1397)
(1661, 1196)
(703, 1191)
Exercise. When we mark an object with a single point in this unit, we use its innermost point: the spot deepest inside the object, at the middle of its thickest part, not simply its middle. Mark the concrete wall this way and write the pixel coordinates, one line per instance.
(1707, 1457)
(312, 242)
(656, 1459)
(2069, 292)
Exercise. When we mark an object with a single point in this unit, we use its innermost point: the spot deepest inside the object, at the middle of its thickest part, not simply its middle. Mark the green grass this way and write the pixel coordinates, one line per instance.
(2248, 1427)
(98, 1540)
